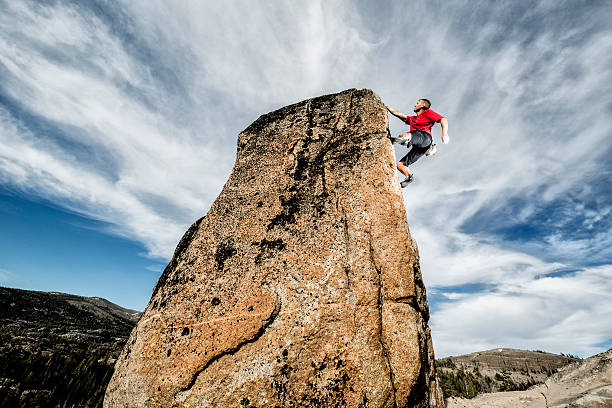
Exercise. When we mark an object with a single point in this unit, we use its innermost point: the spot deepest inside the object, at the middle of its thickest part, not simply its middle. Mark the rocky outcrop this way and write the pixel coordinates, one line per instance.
(582, 384)
(301, 286)
(500, 369)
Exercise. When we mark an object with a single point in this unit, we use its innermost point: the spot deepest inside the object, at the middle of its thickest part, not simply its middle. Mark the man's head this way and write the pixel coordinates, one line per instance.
(422, 104)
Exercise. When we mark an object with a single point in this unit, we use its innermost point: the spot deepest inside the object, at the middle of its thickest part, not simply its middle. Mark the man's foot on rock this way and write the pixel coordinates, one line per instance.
(432, 150)
(399, 140)
(408, 180)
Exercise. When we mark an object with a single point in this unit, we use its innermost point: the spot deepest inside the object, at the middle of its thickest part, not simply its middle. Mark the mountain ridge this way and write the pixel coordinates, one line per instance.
(499, 369)
(584, 383)
(58, 349)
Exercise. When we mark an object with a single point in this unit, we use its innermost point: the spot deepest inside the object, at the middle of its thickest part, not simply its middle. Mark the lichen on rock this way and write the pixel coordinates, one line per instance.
(301, 287)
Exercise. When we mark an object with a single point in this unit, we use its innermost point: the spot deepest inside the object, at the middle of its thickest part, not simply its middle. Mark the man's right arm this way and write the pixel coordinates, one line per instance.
(395, 112)
(444, 124)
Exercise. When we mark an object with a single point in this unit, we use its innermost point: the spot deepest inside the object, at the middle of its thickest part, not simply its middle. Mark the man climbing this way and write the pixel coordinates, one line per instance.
(418, 139)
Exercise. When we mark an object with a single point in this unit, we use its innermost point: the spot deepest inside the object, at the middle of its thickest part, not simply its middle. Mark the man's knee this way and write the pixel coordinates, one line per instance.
(407, 135)
(401, 164)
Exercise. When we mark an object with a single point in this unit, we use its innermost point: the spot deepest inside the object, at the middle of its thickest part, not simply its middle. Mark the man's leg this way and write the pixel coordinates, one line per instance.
(419, 144)
(401, 166)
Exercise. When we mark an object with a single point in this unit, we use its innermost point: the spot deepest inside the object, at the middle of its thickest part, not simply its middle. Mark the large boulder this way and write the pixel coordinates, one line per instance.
(301, 286)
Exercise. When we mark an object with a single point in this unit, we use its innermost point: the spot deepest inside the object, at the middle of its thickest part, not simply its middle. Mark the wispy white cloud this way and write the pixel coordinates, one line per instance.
(262, 55)
(158, 173)
(135, 122)
(529, 128)
(570, 313)
(156, 268)
(460, 259)
(54, 174)
(160, 176)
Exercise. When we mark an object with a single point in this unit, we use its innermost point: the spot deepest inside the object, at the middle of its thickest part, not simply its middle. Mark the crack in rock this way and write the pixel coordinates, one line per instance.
(380, 327)
(179, 394)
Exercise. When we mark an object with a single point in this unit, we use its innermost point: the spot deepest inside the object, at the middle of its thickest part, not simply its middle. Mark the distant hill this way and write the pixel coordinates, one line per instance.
(57, 349)
(494, 370)
(583, 384)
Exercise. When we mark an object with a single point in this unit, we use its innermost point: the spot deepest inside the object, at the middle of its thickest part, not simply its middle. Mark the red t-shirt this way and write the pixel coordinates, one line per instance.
(424, 121)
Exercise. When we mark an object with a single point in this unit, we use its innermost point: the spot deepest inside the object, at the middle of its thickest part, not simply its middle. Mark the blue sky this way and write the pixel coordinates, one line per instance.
(118, 125)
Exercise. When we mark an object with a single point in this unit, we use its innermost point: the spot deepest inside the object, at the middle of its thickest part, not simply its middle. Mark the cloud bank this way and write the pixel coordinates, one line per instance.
(127, 112)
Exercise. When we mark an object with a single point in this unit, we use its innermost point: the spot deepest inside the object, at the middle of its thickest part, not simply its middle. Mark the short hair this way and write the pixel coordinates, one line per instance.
(427, 103)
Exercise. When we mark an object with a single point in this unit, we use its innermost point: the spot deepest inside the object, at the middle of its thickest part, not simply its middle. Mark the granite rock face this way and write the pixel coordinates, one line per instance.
(301, 286)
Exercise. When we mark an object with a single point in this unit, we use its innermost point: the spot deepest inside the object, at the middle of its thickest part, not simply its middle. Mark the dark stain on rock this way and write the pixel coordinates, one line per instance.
(329, 390)
(275, 244)
(224, 251)
(364, 402)
(293, 204)
(268, 247)
(290, 207)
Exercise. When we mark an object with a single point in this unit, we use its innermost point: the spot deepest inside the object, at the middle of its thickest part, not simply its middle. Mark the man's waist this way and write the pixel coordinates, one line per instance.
(421, 130)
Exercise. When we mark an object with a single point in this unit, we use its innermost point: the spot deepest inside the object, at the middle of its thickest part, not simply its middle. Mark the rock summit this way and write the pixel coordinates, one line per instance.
(301, 287)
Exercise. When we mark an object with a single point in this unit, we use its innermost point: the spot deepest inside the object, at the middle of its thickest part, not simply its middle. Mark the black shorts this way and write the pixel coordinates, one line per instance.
(418, 145)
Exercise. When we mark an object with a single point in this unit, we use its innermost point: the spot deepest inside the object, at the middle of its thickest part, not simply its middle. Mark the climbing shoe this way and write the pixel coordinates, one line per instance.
(408, 180)
(399, 140)
(432, 150)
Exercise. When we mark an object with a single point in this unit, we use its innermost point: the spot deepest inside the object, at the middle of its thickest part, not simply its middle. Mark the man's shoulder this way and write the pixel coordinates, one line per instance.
(430, 113)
